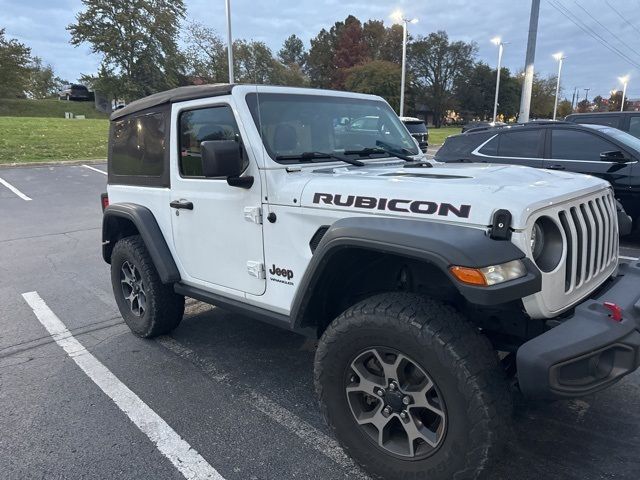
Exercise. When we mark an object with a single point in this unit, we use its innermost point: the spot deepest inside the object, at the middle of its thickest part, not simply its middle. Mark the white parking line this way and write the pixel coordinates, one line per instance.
(95, 169)
(14, 190)
(306, 432)
(628, 258)
(188, 462)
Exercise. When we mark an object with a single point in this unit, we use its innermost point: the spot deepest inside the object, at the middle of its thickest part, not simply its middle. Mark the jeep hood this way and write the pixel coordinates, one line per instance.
(449, 192)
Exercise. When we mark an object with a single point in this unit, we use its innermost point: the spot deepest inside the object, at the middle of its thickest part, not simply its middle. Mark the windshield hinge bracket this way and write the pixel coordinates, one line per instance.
(501, 227)
(253, 214)
(256, 269)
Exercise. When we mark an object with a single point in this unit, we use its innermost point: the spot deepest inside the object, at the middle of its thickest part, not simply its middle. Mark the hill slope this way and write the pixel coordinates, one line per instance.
(13, 107)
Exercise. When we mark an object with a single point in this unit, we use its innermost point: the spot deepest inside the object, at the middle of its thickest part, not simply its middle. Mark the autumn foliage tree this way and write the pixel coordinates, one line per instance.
(137, 40)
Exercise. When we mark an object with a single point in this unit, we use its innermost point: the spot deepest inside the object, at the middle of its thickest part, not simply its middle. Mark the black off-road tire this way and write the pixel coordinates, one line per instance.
(163, 309)
(460, 361)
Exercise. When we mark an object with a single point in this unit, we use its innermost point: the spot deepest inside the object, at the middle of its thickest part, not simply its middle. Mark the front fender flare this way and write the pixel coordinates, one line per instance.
(440, 244)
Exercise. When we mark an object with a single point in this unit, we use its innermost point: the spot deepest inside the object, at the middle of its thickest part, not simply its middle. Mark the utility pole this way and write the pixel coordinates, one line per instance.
(229, 40)
(586, 94)
(527, 86)
(575, 96)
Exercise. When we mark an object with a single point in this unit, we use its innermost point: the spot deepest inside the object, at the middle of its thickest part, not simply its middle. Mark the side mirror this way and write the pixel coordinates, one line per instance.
(221, 158)
(614, 156)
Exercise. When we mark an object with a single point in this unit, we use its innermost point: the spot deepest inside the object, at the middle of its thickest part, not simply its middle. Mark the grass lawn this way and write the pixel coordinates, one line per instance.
(27, 139)
(437, 135)
(15, 107)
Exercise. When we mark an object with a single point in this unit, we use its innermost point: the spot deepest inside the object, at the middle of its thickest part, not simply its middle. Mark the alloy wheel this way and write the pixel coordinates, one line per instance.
(396, 403)
(133, 289)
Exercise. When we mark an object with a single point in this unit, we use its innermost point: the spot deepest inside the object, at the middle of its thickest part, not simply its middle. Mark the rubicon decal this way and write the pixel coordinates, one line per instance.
(423, 207)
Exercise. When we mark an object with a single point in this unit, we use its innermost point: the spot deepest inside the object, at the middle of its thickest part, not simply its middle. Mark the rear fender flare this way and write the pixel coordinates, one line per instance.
(145, 223)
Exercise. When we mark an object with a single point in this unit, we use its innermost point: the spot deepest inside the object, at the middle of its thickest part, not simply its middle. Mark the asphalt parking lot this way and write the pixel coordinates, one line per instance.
(235, 393)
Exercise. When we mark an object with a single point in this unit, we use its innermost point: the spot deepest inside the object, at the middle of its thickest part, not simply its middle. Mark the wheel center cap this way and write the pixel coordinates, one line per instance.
(394, 400)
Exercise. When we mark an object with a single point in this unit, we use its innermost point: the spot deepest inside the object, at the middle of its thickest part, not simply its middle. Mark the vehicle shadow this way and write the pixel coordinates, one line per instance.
(590, 438)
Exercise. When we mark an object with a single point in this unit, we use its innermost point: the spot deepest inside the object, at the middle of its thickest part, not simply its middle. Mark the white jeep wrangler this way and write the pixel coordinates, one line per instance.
(432, 288)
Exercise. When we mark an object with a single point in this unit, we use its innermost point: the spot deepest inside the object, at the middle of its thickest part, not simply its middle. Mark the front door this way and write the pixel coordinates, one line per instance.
(217, 236)
(579, 151)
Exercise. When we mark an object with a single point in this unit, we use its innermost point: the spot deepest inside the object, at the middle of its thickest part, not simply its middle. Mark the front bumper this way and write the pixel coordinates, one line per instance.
(590, 351)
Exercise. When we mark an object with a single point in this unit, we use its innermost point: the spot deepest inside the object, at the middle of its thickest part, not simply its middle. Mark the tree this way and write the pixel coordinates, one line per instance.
(584, 106)
(350, 50)
(378, 77)
(437, 65)
(335, 51)
(509, 95)
(600, 103)
(15, 59)
(43, 82)
(615, 101)
(107, 82)
(293, 52)
(543, 95)
(205, 55)
(137, 40)
(320, 65)
(564, 108)
(475, 93)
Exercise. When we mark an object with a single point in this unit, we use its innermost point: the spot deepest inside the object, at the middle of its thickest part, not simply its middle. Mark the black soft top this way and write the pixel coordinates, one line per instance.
(179, 94)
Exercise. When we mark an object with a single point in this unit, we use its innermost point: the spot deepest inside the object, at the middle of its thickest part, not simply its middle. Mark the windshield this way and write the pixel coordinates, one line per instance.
(623, 137)
(291, 125)
(416, 127)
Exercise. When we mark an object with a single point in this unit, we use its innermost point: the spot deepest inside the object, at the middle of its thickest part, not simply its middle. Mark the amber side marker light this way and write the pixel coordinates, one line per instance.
(471, 276)
(492, 275)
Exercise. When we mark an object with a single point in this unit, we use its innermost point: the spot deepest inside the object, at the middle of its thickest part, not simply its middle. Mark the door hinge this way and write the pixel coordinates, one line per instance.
(253, 214)
(256, 269)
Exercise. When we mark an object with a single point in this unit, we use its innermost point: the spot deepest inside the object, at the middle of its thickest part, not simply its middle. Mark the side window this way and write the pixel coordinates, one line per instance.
(138, 145)
(525, 144)
(634, 126)
(576, 145)
(491, 147)
(608, 120)
(201, 125)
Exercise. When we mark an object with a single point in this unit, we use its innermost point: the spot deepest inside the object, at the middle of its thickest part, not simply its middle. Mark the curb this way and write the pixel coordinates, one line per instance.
(53, 163)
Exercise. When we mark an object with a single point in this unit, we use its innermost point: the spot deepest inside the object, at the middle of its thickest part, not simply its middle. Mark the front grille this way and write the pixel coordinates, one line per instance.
(592, 239)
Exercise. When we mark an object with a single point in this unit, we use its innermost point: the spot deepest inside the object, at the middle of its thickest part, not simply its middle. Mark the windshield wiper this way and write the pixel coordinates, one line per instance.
(381, 148)
(310, 156)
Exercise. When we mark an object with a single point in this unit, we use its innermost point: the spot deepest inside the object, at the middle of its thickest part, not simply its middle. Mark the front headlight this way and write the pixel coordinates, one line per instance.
(546, 244)
(491, 275)
(537, 240)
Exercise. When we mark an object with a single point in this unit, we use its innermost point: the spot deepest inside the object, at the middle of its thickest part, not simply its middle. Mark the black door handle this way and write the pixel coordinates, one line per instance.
(556, 167)
(181, 204)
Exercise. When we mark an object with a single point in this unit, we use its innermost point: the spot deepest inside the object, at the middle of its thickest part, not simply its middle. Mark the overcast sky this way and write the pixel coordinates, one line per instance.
(589, 64)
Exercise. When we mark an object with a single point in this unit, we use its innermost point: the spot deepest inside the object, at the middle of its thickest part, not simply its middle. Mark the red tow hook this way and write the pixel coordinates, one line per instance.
(616, 311)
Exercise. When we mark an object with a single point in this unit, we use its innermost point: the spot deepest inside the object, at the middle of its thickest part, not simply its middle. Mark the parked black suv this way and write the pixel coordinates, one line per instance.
(75, 92)
(626, 121)
(597, 150)
(418, 130)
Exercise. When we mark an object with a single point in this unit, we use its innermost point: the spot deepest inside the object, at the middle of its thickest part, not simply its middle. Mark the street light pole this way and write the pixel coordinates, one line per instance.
(398, 17)
(559, 58)
(497, 41)
(229, 40)
(625, 81)
(404, 65)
